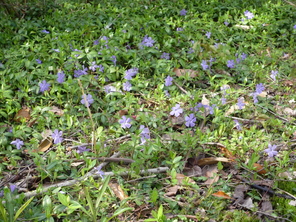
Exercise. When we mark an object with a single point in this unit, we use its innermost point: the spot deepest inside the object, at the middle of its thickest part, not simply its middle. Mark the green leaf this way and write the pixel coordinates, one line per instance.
(120, 211)
(102, 191)
(65, 200)
(21, 209)
(154, 195)
(3, 212)
(90, 204)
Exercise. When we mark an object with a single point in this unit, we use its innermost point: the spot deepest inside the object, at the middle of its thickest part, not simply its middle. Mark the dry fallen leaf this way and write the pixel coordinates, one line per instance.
(259, 168)
(172, 191)
(44, 145)
(116, 188)
(183, 72)
(23, 113)
(57, 110)
(221, 194)
(211, 173)
(211, 160)
(182, 178)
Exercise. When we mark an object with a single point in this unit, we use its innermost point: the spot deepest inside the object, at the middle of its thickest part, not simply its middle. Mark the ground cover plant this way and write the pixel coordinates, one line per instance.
(148, 111)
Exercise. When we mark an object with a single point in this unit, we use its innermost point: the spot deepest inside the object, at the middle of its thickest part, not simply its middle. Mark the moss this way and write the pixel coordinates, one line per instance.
(281, 205)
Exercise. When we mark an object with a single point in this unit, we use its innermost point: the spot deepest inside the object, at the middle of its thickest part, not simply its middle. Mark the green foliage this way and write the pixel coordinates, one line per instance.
(41, 39)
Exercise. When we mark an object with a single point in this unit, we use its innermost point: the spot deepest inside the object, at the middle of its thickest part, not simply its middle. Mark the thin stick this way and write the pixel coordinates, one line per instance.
(90, 174)
(89, 113)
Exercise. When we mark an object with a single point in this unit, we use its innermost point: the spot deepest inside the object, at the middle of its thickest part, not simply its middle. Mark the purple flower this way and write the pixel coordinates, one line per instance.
(127, 86)
(130, 73)
(101, 67)
(237, 125)
(113, 59)
(80, 72)
(243, 56)
(145, 134)
(259, 88)
(294, 26)
(230, 64)
(180, 29)
(99, 171)
(44, 86)
(183, 12)
(249, 15)
(208, 35)
(45, 31)
(165, 56)
(93, 66)
(273, 74)
(18, 143)
(38, 61)
(167, 94)
(12, 187)
(125, 122)
(190, 51)
(240, 103)
(168, 81)
(271, 150)
(226, 23)
(56, 50)
(204, 65)
(89, 100)
(82, 149)
(61, 77)
(109, 89)
(96, 42)
(57, 136)
(176, 110)
(105, 38)
(223, 100)
(190, 120)
(147, 41)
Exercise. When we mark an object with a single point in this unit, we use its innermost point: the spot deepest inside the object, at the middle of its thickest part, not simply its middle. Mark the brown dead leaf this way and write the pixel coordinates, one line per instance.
(44, 145)
(227, 153)
(239, 193)
(211, 160)
(221, 194)
(183, 72)
(194, 171)
(182, 178)
(172, 191)
(211, 173)
(259, 168)
(116, 188)
(57, 110)
(23, 114)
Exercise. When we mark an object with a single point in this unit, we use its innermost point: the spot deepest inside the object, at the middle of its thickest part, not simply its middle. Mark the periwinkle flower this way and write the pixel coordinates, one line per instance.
(208, 35)
(130, 73)
(57, 136)
(147, 41)
(165, 56)
(190, 120)
(230, 64)
(114, 59)
(89, 100)
(168, 81)
(204, 65)
(127, 86)
(145, 134)
(240, 103)
(271, 150)
(38, 61)
(249, 15)
(176, 110)
(273, 74)
(180, 29)
(183, 12)
(82, 149)
(18, 143)
(44, 86)
(45, 31)
(99, 171)
(125, 122)
(237, 125)
(61, 77)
